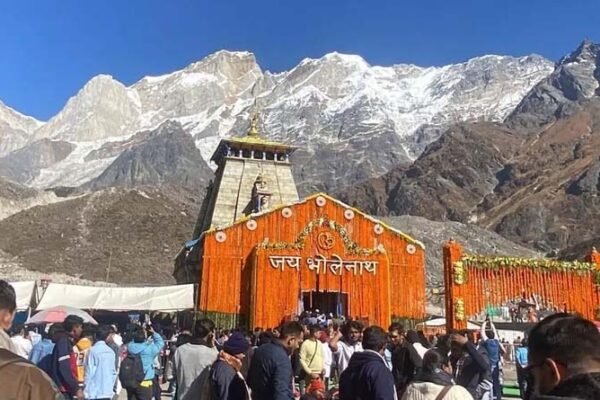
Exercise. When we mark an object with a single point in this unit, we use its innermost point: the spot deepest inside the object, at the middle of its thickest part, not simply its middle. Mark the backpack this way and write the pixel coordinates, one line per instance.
(202, 386)
(131, 373)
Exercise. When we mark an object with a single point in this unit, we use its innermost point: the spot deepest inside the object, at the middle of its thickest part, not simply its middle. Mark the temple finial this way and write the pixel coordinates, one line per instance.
(253, 131)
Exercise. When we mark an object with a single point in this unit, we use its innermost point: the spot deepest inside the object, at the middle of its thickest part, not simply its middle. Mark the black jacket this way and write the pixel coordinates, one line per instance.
(406, 364)
(227, 384)
(367, 378)
(577, 387)
(270, 375)
(475, 368)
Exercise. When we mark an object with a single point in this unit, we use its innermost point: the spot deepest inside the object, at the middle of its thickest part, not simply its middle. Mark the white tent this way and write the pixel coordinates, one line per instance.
(24, 291)
(159, 298)
(440, 322)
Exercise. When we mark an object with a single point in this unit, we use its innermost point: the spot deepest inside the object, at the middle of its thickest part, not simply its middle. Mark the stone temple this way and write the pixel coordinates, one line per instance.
(261, 255)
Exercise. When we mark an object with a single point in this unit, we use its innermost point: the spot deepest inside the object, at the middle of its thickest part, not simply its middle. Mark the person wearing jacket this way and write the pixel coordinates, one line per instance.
(100, 372)
(367, 377)
(270, 375)
(226, 377)
(406, 364)
(64, 362)
(495, 350)
(471, 367)
(147, 350)
(564, 358)
(521, 359)
(192, 359)
(19, 379)
(435, 382)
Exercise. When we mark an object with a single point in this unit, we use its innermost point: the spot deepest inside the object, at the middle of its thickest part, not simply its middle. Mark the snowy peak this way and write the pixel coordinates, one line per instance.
(102, 109)
(587, 51)
(337, 106)
(15, 129)
(575, 79)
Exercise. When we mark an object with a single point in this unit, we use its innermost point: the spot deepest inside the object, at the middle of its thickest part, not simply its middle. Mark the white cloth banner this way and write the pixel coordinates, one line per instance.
(158, 298)
(24, 291)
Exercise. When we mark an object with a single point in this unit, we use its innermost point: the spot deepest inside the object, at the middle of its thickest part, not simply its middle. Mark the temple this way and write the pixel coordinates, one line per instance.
(261, 255)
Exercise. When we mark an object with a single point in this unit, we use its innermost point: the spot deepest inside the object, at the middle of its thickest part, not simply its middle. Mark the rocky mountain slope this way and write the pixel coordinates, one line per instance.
(352, 121)
(15, 198)
(125, 236)
(535, 186)
(138, 232)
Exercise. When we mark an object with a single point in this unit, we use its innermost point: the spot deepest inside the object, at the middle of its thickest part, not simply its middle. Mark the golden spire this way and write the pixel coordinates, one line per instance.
(253, 132)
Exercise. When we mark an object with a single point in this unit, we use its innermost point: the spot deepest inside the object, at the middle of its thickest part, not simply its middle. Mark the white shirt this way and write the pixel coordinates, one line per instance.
(327, 360)
(22, 345)
(344, 352)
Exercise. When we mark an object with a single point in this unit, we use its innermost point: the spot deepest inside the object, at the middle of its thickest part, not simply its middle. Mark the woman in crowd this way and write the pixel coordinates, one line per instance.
(434, 382)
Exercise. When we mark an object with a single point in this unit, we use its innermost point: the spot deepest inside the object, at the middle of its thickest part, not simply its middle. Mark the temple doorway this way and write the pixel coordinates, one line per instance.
(326, 302)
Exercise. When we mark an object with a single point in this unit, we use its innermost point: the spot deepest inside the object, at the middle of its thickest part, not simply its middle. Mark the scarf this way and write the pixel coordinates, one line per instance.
(230, 360)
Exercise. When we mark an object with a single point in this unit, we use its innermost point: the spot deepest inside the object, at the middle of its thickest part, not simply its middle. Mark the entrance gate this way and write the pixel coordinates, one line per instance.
(473, 283)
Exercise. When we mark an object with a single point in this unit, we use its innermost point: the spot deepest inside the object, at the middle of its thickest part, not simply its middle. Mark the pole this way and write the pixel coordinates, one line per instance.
(108, 267)
(197, 291)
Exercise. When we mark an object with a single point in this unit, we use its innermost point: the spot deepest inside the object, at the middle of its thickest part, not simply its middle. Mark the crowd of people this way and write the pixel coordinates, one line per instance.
(71, 360)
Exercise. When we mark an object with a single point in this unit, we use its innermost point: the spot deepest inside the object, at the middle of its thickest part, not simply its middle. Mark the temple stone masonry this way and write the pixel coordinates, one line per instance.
(252, 175)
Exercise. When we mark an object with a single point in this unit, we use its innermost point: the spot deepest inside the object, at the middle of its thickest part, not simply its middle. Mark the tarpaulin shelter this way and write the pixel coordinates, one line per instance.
(158, 298)
(25, 291)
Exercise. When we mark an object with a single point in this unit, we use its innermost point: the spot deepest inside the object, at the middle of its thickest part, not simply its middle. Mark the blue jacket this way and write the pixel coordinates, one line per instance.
(522, 356)
(367, 378)
(100, 372)
(41, 352)
(270, 375)
(148, 352)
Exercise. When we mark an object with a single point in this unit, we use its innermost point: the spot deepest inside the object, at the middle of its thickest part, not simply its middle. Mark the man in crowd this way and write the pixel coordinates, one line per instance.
(495, 350)
(226, 375)
(147, 350)
(471, 366)
(521, 358)
(64, 362)
(19, 379)
(100, 373)
(395, 335)
(192, 358)
(346, 342)
(41, 353)
(22, 342)
(311, 356)
(367, 376)
(564, 358)
(270, 376)
(82, 348)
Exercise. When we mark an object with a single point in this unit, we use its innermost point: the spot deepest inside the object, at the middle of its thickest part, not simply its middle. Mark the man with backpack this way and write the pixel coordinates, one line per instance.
(137, 369)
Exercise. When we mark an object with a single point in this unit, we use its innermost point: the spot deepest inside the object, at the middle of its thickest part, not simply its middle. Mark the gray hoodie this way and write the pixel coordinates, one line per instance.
(189, 361)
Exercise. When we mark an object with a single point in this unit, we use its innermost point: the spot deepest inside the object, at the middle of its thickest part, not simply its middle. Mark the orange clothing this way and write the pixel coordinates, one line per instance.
(81, 350)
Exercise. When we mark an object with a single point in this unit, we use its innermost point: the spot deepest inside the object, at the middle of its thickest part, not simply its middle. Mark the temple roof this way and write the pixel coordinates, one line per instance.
(252, 141)
(397, 232)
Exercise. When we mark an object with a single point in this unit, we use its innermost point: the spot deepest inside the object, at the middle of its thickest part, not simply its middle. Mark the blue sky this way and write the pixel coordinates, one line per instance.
(49, 49)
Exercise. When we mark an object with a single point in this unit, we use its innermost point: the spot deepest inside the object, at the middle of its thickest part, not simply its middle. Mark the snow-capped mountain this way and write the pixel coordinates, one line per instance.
(15, 129)
(351, 120)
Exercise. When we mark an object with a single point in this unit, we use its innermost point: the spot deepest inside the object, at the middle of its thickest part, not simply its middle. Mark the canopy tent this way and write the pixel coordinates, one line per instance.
(24, 291)
(159, 298)
(441, 323)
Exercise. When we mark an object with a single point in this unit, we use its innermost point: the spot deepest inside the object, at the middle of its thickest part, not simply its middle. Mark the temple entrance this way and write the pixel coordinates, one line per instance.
(326, 302)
